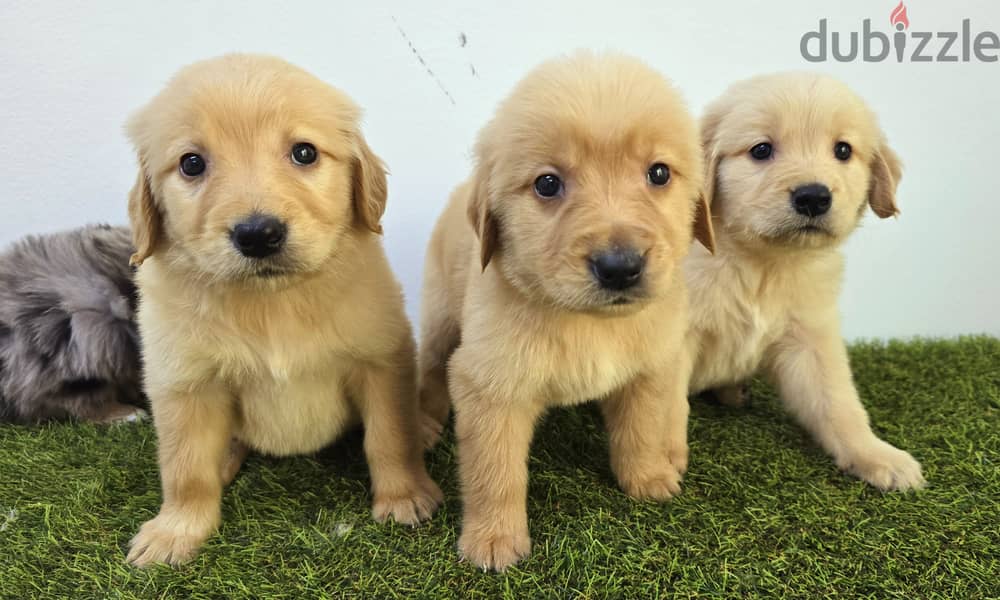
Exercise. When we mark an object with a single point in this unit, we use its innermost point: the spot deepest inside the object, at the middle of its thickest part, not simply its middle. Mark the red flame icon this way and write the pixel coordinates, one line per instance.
(898, 17)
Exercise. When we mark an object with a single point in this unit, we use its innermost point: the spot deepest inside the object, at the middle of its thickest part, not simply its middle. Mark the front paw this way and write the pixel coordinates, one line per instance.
(885, 467)
(493, 550)
(660, 483)
(411, 504)
(166, 539)
(677, 454)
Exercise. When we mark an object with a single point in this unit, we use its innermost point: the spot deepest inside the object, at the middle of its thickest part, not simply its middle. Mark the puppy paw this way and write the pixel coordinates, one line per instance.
(410, 505)
(166, 540)
(884, 466)
(494, 551)
(733, 396)
(660, 484)
(677, 454)
(430, 430)
(122, 413)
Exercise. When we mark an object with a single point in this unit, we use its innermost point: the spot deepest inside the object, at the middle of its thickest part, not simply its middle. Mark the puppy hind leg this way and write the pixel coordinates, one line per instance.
(120, 413)
(435, 404)
(439, 336)
(91, 401)
(733, 396)
(235, 456)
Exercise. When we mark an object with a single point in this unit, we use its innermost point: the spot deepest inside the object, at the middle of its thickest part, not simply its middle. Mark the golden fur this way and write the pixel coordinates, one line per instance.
(280, 358)
(513, 321)
(767, 300)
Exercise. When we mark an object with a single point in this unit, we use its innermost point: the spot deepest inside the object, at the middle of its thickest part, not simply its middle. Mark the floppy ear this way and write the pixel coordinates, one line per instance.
(886, 172)
(481, 217)
(370, 189)
(704, 231)
(144, 218)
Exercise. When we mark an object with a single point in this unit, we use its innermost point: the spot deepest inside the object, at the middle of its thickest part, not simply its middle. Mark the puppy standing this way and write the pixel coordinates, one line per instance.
(269, 316)
(794, 160)
(553, 277)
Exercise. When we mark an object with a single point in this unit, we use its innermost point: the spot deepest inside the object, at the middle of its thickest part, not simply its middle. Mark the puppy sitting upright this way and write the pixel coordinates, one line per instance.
(794, 160)
(553, 277)
(268, 313)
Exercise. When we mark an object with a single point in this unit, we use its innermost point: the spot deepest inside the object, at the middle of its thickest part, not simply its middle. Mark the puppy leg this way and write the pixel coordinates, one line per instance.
(115, 412)
(648, 467)
(439, 335)
(95, 402)
(733, 396)
(494, 438)
(811, 369)
(434, 404)
(193, 434)
(678, 408)
(234, 460)
(400, 485)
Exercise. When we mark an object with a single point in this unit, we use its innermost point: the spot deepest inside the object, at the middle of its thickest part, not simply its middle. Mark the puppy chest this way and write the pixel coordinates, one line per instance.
(293, 416)
(589, 373)
(732, 346)
(279, 354)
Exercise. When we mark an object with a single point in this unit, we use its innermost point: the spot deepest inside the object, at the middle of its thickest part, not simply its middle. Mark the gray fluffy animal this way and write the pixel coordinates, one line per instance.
(69, 346)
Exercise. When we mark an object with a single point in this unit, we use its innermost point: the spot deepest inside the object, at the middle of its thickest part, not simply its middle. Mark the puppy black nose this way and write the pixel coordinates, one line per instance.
(259, 236)
(617, 269)
(812, 200)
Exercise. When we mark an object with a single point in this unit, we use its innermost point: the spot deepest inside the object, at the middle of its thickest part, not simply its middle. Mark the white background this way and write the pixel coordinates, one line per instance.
(71, 72)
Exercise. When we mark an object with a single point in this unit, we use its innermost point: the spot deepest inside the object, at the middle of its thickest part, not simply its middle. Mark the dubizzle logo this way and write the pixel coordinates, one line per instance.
(914, 46)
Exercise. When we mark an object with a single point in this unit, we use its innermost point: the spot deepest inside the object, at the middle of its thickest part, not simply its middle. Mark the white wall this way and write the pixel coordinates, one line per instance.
(70, 73)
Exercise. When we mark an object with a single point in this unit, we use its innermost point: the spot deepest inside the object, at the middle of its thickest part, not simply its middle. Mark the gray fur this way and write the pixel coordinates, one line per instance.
(69, 346)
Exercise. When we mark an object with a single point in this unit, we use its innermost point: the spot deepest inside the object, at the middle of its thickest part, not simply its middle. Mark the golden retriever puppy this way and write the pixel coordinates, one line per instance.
(270, 319)
(554, 277)
(793, 160)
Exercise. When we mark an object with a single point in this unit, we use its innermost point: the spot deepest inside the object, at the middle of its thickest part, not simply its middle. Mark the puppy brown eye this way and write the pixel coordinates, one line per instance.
(842, 151)
(548, 186)
(762, 151)
(658, 174)
(192, 164)
(303, 153)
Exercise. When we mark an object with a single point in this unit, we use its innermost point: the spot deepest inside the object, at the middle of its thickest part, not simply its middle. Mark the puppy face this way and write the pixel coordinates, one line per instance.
(587, 184)
(250, 170)
(795, 159)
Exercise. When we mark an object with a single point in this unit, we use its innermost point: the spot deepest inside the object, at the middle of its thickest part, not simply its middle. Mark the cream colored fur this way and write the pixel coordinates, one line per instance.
(767, 300)
(513, 321)
(281, 362)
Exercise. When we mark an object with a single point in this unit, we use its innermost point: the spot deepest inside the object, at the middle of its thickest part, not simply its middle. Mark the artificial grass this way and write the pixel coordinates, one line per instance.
(763, 512)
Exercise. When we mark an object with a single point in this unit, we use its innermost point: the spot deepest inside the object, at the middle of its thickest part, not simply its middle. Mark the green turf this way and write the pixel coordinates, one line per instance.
(763, 511)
